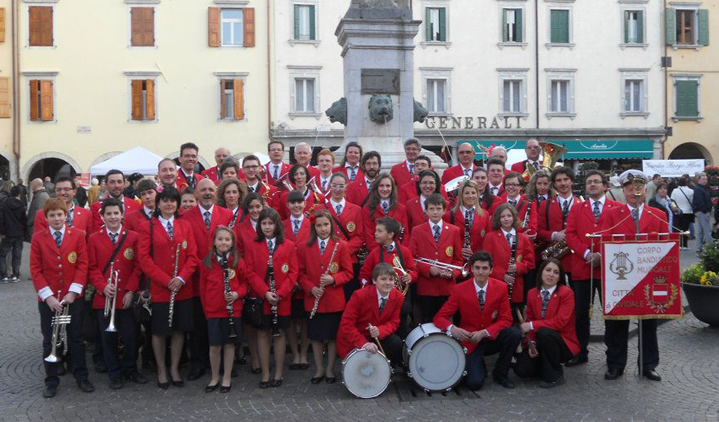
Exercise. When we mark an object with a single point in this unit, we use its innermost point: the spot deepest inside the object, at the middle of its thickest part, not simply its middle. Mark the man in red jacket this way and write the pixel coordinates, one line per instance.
(358, 191)
(115, 181)
(213, 173)
(76, 217)
(532, 149)
(186, 176)
(486, 326)
(466, 165)
(404, 171)
(276, 168)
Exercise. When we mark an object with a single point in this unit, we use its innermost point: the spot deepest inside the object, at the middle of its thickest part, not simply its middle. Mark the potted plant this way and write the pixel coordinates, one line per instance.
(701, 285)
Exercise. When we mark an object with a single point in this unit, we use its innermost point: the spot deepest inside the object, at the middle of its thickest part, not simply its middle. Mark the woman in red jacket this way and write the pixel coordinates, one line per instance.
(383, 202)
(223, 285)
(549, 327)
(168, 257)
(479, 220)
(324, 266)
(272, 272)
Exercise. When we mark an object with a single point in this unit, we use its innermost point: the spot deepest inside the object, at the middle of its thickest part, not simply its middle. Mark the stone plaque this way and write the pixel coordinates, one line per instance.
(380, 81)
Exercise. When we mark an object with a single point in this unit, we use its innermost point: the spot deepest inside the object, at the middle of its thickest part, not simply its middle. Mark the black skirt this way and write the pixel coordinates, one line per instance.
(298, 309)
(283, 322)
(218, 331)
(324, 327)
(181, 317)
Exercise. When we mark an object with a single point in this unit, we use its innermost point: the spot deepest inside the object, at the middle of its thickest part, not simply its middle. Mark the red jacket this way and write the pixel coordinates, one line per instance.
(269, 167)
(345, 171)
(202, 235)
(136, 219)
(96, 224)
(303, 235)
(284, 264)
(213, 289)
(313, 203)
(399, 213)
(521, 166)
(550, 219)
(447, 250)
(160, 267)
(182, 182)
(521, 207)
(213, 173)
(363, 310)
(374, 258)
(80, 220)
(100, 249)
(455, 172)
(357, 192)
(559, 315)
(496, 244)
(400, 173)
(495, 317)
(481, 225)
(245, 234)
(579, 224)
(271, 196)
(416, 215)
(58, 269)
(351, 221)
(619, 220)
(312, 265)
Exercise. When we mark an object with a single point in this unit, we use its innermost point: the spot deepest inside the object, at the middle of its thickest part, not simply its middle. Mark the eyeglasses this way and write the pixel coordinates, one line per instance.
(250, 167)
(512, 185)
(338, 187)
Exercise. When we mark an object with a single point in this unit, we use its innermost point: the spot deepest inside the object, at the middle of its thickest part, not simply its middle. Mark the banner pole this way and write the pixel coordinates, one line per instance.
(641, 349)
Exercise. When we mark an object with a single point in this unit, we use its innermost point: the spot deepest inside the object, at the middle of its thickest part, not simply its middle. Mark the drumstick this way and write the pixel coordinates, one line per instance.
(376, 340)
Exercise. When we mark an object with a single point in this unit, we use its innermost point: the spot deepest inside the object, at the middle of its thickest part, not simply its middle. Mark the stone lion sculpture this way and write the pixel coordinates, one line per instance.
(338, 111)
(380, 108)
(420, 113)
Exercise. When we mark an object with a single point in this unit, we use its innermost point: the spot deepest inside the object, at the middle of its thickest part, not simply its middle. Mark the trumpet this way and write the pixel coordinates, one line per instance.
(59, 331)
(443, 265)
(114, 280)
(317, 299)
(171, 311)
(399, 284)
(557, 249)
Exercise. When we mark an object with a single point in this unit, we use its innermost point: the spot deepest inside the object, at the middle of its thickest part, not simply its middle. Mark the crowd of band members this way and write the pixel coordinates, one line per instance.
(284, 242)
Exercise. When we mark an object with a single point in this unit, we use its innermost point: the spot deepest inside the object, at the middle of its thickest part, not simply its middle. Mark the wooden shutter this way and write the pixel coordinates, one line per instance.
(34, 14)
(313, 19)
(248, 15)
(428, 24)
(45, 29)
(518, 25)
(670, 26)
(149, 27)
(560, 26)
(442, 24)
(143, 26)
(34, 100)
(640, 26)
(703, 19)
(214, 36)
(687, 98)
(239, 99)
(5, 97)
(46, 106)
(137, 99)
(150, 99)
(2, 24)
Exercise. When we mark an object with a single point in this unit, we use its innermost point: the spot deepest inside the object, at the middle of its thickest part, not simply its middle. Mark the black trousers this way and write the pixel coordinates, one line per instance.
(505, 344)
(584, 291)
(353, 284)
(392, 345)
(616, 336)
(8, 243)
(199, 343)
(430, 305)
(127, 330)
(75, 340)
(548, 365)
(682, 222)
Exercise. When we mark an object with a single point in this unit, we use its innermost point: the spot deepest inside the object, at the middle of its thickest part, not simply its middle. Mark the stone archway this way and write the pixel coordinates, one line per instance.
(50, 164)
(691, 150)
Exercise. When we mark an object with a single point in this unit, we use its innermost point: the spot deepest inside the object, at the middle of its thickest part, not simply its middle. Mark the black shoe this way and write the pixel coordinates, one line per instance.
(225, 389)
(264, 384)
(294, 366)
(552, 384)
(195, 374)
(331, 380)
(116, 383)
(613, 373)
(136, 377)
(85, 386)
(211, 388)
(576, 361)
(276, 383)
(241, 360)
(304, 366)
(50, 391)
(233, 373)
(503, 381)
(100, 367)
(163, 385)
(179, 383)
(317, 380)
(651, 375)
(256, 371)
(61, 369)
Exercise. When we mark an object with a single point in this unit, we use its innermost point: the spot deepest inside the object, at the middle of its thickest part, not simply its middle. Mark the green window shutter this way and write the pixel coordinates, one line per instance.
(297, 22)
(627, 13)
(443, 24)
(518, 25)
(560, 26)
(687, 98)
(427, 24)
(671, 26)
(640, 26)
(313, 19)
(505, 32)
(703, 16)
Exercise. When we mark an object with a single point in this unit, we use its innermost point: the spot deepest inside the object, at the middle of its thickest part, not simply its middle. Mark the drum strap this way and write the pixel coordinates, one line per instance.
(399, 255)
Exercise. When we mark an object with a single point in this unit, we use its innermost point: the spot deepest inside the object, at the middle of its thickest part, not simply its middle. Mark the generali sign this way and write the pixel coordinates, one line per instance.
(479, 122)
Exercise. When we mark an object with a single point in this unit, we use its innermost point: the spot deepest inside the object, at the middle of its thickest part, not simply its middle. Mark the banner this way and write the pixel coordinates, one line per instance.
(672, 168)
(641, 279)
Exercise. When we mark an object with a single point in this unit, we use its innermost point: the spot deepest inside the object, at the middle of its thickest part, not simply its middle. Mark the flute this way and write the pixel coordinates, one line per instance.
(171, 311)
(317, 299)
(227, 273)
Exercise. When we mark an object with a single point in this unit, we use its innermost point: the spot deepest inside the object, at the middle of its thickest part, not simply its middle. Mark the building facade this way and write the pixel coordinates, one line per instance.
(8, 156)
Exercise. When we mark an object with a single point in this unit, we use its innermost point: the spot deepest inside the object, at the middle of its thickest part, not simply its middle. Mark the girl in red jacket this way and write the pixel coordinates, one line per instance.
(222, 286)
(324, 266)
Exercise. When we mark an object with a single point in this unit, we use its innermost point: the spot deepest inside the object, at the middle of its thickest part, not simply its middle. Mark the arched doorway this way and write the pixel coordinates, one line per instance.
(691, 150)
(51, 167)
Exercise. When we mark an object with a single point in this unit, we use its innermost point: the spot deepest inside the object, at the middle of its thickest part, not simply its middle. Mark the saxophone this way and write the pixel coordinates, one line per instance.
(273, 289)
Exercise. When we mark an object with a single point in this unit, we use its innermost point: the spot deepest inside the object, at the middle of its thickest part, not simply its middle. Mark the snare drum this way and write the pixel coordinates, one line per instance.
(365, 374)
(435, 361)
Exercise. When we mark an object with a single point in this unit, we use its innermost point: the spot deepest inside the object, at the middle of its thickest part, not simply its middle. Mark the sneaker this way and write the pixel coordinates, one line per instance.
(15, 278)
(5, 280)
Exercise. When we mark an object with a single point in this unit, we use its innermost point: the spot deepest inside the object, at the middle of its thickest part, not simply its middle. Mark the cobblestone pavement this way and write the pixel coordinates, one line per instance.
(688, 392)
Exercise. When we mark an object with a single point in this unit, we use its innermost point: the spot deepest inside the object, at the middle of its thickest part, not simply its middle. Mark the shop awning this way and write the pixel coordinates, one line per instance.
(580, 149)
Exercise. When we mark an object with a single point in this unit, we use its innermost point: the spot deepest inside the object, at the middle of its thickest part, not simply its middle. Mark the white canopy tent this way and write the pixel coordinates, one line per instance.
(136, 160)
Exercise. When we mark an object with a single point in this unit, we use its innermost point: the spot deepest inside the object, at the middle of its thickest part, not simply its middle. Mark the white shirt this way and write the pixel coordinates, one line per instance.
(641, 209)
(512, 232)
(683, 196)
(601, 202)
(253, 188)
(203, 210)
(300, 219)
(407, 163)
(349, 167)
(254, 224)
(561, 201)
(380, 297)
(433, 225)
(148, 212)
(494, 189)
(423, 201)
(110, 231)
(464, 210)
(334, 204)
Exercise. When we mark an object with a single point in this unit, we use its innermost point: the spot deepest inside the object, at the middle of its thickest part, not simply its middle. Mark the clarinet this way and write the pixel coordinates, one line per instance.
(525, 222)
(317, 299)
(467, 243)
(171, 311)
(512, 261)
(273, 289)
(230, 316)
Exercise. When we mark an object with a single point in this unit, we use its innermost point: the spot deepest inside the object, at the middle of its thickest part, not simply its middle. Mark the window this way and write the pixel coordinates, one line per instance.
(560, 96)
(143, 99)
(436, 24)
(5, 98)
(512, 96)
(41, 100)
(633, 27)
(686, 98)
(305, 23)
(231, 27)
(512, 25)
(232, 99)
(687, 27)
(40, 26)
(633, 95)
(2, 24)
(305, 95)
(436, 95)
(560, 93)
(142, 23)
(559, 26)
(513, 91)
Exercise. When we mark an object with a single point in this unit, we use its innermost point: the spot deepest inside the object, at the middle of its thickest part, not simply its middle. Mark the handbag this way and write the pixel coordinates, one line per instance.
(252, 311)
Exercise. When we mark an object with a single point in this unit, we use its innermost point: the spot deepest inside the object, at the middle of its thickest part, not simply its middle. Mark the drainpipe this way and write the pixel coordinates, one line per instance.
(269, 69)
(14, 12)
(665, 50)
(536, 60)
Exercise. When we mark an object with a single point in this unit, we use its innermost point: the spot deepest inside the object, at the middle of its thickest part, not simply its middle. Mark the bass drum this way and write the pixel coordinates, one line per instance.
(366, 375)
(435, 361)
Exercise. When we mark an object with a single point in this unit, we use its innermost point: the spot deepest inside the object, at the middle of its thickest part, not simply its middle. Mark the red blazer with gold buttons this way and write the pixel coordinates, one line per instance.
(447, 250)
(559, 315)
(549, 219)
(399, 213)
(496, 244)
(312, 265)
(80, 220)
(56, 268)
(381, 255)
(481, 226)
(579, 224)
(100, 249)
(351, 221)
(213, 289)
(284, 265)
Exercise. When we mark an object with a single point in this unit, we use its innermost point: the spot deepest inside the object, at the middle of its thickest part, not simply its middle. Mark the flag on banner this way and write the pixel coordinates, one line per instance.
(641, 279)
